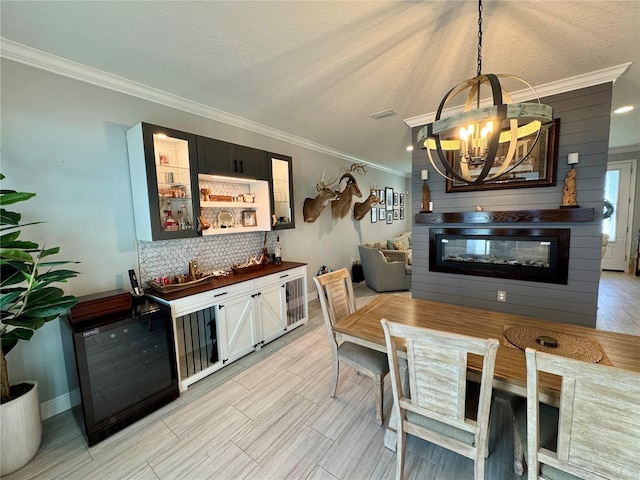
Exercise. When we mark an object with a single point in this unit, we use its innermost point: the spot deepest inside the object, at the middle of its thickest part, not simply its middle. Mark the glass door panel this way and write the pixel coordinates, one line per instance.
(173, 175)
(282, 193)
(612, 194)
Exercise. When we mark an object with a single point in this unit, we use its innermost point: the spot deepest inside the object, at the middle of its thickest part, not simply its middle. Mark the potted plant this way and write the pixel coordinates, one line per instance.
(27, 301)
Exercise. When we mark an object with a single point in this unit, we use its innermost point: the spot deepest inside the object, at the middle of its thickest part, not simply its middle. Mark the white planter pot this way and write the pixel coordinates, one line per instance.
(21, 431)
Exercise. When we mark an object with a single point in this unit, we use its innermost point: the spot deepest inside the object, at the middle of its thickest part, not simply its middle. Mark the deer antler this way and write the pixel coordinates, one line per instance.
(358, 168)
(325, 184)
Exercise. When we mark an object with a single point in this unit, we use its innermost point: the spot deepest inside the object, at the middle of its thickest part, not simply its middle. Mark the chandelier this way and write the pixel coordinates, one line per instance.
(491, 136)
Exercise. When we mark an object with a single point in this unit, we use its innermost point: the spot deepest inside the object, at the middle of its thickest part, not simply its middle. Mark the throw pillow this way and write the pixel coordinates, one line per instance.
(380, 245)
(390, 245)
(402, 244)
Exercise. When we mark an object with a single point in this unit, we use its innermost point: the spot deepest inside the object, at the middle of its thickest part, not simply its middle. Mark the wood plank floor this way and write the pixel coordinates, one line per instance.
(269, 415)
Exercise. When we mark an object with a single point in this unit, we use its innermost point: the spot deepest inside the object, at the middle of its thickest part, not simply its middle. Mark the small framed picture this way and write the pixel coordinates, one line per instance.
(388, 193)
(401, 213)
(381, 214)
(402, 199)
(374, 214)
(249, 218)
(381, 196)
(395, 199)
(396, 214)
(389, 216)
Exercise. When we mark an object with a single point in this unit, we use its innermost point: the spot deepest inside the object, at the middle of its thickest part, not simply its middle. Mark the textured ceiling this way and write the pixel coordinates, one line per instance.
(317, 70)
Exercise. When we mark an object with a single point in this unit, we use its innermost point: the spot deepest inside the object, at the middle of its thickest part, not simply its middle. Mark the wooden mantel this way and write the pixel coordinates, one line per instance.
(560, 215)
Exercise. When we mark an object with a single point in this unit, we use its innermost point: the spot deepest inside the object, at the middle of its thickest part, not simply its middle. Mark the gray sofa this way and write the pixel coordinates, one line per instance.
(386, 264)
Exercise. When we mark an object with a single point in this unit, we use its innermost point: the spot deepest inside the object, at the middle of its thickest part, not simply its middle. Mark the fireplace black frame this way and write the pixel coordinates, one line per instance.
(556, 272)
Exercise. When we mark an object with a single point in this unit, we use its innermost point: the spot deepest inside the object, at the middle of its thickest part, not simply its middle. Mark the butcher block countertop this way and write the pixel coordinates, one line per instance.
(220, 282)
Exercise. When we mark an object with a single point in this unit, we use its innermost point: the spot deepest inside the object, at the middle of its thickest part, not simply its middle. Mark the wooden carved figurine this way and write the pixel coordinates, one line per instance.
(426, 198)
(569, 191)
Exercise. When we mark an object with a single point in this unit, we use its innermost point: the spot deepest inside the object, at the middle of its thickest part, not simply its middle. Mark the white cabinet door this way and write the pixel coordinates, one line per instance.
(272, 313)
(238, 334)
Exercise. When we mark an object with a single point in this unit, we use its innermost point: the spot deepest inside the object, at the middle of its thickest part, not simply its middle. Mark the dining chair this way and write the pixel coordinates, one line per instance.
(337, 300)
(442, 406)
(597, 424)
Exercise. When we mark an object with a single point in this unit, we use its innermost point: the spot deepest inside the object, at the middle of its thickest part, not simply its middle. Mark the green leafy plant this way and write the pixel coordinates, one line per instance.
(27, 298)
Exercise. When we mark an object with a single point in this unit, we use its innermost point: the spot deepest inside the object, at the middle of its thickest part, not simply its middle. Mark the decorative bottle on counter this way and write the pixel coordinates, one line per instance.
(277, 252)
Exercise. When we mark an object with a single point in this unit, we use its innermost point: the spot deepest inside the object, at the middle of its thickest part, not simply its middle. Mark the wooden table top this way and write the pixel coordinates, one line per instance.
(363, 326)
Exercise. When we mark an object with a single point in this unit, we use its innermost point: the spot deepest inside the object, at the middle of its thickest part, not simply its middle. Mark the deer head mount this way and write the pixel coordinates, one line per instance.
(341, 207)
(360, 209)
(312, 207)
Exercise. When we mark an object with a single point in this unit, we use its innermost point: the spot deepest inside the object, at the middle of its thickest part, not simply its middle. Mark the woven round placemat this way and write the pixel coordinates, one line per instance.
(568, 345)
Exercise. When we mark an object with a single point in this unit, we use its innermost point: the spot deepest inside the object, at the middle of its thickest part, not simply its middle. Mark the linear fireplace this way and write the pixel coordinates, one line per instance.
(532, 254)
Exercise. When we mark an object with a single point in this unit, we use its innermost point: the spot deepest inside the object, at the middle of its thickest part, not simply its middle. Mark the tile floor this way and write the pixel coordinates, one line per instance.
(268, 415)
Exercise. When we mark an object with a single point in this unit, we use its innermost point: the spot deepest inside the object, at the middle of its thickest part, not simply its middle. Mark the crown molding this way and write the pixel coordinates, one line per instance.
(609, 74)
(52, 63)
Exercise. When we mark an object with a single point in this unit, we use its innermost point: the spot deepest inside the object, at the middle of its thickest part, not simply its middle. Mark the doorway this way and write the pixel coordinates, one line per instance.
(619, 190)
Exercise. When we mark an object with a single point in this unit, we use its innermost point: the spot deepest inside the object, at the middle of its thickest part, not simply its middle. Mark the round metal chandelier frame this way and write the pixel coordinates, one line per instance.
(439, 135)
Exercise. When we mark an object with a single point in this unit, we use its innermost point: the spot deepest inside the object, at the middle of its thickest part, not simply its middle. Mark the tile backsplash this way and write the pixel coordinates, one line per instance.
(215, 252)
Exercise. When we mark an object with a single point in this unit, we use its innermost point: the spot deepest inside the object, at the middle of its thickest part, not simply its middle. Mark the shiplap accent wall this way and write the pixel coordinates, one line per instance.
(584, 128)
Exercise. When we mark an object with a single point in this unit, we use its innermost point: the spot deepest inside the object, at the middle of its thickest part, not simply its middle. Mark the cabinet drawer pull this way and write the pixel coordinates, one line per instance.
(284, 276)
(220, 294)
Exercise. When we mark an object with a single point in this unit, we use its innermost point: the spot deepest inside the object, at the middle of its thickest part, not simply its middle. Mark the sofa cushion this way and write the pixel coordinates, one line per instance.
(382, 255)
(402, 244)
(379, 245)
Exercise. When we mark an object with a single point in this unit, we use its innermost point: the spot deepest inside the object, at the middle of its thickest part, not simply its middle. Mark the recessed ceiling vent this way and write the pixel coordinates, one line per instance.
(383, 114)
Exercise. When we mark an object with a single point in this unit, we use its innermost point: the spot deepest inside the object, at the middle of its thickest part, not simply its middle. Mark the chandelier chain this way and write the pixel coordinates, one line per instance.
(479, 37)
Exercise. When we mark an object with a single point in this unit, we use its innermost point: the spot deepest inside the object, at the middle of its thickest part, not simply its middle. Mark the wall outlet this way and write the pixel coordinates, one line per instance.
(502, 296)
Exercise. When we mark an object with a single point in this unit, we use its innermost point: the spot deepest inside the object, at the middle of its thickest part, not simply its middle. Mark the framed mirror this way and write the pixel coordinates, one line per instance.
(282, 214)
(537, 170)
(226, 219)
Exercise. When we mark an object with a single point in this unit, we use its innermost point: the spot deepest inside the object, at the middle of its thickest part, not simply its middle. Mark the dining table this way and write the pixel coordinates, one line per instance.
(514, 332)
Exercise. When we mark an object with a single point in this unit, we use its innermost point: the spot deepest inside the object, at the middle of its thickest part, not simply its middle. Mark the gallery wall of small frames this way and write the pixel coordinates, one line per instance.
(390, 206)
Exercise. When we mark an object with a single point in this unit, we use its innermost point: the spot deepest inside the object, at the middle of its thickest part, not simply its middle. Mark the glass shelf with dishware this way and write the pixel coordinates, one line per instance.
(233, 205)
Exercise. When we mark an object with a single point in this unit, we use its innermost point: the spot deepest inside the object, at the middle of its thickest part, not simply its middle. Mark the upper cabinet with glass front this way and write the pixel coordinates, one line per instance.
(282, 216)
(164, 181)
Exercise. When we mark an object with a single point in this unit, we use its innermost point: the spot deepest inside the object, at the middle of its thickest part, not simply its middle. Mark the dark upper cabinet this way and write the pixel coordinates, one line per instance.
(216, 157)
(164, 180)
(251, 162)
(281, 183)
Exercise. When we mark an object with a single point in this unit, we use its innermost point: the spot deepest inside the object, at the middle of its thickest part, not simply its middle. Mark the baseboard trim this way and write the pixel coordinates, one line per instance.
(60, 404)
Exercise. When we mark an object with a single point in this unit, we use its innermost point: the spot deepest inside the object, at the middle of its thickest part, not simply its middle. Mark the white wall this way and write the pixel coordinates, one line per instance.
(65, 140)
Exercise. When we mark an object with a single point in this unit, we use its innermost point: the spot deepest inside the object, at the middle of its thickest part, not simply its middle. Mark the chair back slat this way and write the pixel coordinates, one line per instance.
(437, 378)
(340, 302)
(599, 425)
(336, 294)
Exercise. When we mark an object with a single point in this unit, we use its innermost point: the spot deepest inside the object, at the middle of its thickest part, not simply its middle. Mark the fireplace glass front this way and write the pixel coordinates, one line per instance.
(525, 254)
